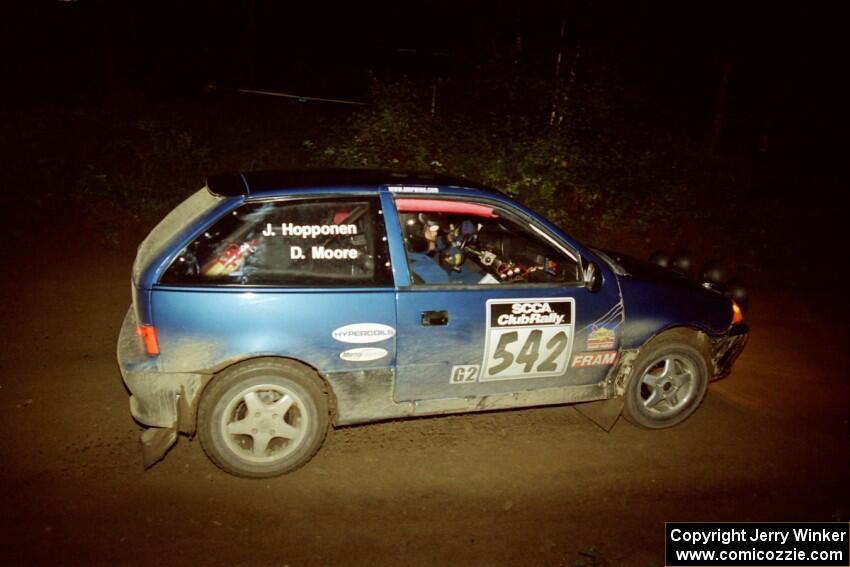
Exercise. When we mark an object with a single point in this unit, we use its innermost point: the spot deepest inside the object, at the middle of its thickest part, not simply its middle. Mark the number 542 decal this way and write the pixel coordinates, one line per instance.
(527, 338)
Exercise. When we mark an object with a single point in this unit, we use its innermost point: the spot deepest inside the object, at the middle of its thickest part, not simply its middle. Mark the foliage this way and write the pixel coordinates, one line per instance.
(607, 180)
(581, 177)
(123, 163)
(144, 169)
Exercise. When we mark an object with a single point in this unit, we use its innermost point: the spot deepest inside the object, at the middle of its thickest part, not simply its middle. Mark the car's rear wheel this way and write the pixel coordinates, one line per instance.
(667, 384)
(263, 418)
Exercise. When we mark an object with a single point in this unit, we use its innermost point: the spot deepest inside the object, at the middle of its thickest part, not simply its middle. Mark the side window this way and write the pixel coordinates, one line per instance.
(325, 242)
(452, 242)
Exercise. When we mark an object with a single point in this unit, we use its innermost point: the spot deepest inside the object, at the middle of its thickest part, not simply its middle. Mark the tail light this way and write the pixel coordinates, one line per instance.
(148, 335)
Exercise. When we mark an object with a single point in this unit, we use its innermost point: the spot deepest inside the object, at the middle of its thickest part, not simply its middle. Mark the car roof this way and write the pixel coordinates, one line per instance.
(235, 184)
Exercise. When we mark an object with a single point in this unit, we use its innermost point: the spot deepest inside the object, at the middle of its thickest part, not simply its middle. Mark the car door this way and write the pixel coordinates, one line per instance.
(494, 303)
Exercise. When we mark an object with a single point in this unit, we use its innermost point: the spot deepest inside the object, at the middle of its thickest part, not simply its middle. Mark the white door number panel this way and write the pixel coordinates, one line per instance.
(527, 338)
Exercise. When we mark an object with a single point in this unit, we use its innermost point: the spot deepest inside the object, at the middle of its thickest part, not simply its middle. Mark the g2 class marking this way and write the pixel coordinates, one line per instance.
(361, 333)
(464, 374)
(363, 354)
(527, 338)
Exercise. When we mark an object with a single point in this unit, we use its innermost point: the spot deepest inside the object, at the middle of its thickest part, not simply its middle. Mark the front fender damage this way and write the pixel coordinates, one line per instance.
(727, 350)
(605, 413)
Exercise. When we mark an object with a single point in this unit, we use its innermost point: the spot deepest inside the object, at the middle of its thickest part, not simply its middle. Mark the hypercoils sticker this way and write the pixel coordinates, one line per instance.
(360, 333)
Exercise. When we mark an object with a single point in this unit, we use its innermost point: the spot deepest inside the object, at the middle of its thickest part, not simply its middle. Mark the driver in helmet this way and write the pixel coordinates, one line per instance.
(435, 250)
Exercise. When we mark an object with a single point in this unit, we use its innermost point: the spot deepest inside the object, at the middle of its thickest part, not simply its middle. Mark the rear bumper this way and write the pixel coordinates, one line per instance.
(727, 350)
(157, 399)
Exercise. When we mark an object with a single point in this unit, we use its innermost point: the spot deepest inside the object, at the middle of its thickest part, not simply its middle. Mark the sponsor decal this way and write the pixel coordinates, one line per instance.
(363, 354)
(531, 313)
(410, 189)
(527, 338)
(602, 336)
(586, 359)
(360, 333)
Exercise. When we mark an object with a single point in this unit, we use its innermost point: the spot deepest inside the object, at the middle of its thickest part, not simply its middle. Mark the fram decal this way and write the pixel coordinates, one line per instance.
(360, 333)
(602, 336)
(585, 359)
(363, 354)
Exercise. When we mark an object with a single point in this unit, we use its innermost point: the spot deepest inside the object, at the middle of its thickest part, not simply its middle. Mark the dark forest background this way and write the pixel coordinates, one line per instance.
(637, 125)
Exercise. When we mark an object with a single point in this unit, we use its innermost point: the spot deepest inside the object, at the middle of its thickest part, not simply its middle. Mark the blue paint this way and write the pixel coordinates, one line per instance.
(203, 328)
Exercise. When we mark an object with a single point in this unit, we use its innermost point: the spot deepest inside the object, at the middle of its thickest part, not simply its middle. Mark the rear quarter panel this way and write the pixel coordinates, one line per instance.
(204, 330)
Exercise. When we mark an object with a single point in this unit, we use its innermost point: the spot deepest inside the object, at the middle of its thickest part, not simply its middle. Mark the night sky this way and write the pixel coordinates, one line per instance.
(666, 58)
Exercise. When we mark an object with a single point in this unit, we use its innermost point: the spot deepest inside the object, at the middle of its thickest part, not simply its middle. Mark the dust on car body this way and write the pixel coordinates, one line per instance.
(270, 306)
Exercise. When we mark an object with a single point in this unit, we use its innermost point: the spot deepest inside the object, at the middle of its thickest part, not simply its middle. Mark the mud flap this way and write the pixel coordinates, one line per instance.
(156, 442)
(185, 414)
(603, 413)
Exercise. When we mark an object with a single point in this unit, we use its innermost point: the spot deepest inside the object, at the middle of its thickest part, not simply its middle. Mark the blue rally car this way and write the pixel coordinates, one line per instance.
(270, 305)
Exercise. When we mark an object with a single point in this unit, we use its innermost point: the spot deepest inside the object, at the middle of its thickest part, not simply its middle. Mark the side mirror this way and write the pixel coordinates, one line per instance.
(592, 277)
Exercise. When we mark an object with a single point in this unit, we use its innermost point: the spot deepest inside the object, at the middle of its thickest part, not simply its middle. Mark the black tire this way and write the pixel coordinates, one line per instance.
(263, 418)
(667, 384)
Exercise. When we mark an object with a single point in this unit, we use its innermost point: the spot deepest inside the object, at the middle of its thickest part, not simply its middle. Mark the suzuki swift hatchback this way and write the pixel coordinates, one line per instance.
(270, 305)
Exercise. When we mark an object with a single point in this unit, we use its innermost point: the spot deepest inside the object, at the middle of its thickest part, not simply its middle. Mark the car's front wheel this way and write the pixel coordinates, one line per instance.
(667, 384)
(263, 418)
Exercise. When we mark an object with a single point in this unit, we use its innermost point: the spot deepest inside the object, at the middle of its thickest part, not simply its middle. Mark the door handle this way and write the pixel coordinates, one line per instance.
(434, 318)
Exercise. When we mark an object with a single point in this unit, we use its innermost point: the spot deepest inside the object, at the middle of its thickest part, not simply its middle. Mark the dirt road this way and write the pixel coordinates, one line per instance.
(516, 487)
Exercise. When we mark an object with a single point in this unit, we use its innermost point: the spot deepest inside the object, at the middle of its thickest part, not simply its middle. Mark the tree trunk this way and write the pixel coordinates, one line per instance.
(554, 114)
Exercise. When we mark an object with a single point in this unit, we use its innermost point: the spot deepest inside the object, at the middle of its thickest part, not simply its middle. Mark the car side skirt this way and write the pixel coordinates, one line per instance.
(362, 397)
